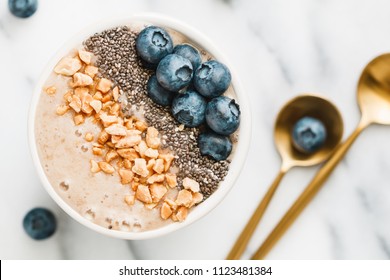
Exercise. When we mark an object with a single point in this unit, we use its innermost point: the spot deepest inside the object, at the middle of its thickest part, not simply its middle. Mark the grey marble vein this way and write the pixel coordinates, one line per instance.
(337, 244)
(385, 247)
(282, 66)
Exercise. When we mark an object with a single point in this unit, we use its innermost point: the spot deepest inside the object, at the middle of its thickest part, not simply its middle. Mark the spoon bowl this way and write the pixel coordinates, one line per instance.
(374, 91)
(307, 105)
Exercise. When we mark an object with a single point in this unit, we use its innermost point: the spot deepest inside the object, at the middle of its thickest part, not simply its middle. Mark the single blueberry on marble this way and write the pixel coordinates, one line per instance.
(174, 72)
(189, 108)
(189, 52)
(308, 135)
(214, 145)
(159, 94)
(223, 115)
(39, 223)
(23, 8)
(212, 78)
(152, 44)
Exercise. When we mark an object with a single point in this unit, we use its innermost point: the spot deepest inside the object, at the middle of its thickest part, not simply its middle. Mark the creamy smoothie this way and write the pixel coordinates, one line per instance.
(126, 182)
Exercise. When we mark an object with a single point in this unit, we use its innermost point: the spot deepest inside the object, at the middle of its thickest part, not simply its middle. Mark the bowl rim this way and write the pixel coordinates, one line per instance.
(241, 148)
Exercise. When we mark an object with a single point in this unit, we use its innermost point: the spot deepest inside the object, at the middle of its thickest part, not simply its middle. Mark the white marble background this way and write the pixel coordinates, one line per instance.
(280, 48)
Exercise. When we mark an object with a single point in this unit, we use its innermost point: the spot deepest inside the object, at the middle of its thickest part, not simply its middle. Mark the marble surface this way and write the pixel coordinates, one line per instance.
(280, 49)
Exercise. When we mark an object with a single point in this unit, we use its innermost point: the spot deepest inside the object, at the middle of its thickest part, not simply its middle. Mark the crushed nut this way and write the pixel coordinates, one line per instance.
(67, 66)
(182, 213)
(78, 119)
(171, 180)
(85, 56)
(157, 191)
(106, 98)
(126, 176)
(140, 167)
(86, 100)
(111, 155)
(81, 92)
(104, 85)
(128, 153)
(91, 70)
(80, 80)
(116, 129)
(106, 167)
(62, 109)
(168, 158)
(68, 96)
(115, 93)
(143, 194)
(152, 139)
(152, 153)
(134, 184)
(98, 96)
(75, 104)
(196, 198)
(171, 203)
(103, 137)
(150, 206)
(96, 105)
(97, 151)
(129, 141)
(156, 178)
(115, 138)
(142, 147)
(184, 198)
(141, 126)
(115, 109)
(127, 163)
(108, 120)
(94, 166)
(166, 211)
(190, 184)
(159, 166)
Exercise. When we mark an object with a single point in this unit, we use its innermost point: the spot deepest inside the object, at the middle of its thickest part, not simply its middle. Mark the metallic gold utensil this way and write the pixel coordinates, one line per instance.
(373, 95)
(295, 109)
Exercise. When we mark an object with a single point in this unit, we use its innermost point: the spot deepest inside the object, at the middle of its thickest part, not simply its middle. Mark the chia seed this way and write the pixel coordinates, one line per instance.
(118, 61)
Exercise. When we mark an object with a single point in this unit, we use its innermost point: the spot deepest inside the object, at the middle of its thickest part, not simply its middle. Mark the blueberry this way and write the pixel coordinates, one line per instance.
(309, 134)
(174, 72)
(223, 115)
(152, 44)
(214, 145)
(39, 223)
(159, 94)
(190, 53)
(23, 8)
(212, 78)
(188, 108)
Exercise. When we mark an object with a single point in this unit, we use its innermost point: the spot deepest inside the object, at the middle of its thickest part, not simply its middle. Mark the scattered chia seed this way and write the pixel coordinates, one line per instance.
(118, 61)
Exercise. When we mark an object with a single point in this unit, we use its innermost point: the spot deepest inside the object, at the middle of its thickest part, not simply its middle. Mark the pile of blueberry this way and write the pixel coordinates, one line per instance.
(193, 89)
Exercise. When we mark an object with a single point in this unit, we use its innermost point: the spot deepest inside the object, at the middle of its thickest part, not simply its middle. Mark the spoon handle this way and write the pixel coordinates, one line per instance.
(308, 194)
(246, 234)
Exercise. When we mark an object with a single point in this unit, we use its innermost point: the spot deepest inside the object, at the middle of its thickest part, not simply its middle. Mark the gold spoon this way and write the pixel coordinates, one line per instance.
(295, 109)
(373, 95)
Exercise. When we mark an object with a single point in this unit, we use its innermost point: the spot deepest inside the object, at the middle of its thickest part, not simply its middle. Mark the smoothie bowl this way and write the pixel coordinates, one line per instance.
(139, 127)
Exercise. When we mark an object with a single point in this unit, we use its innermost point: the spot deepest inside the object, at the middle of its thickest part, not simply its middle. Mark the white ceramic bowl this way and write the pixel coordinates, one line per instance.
(239, 155)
